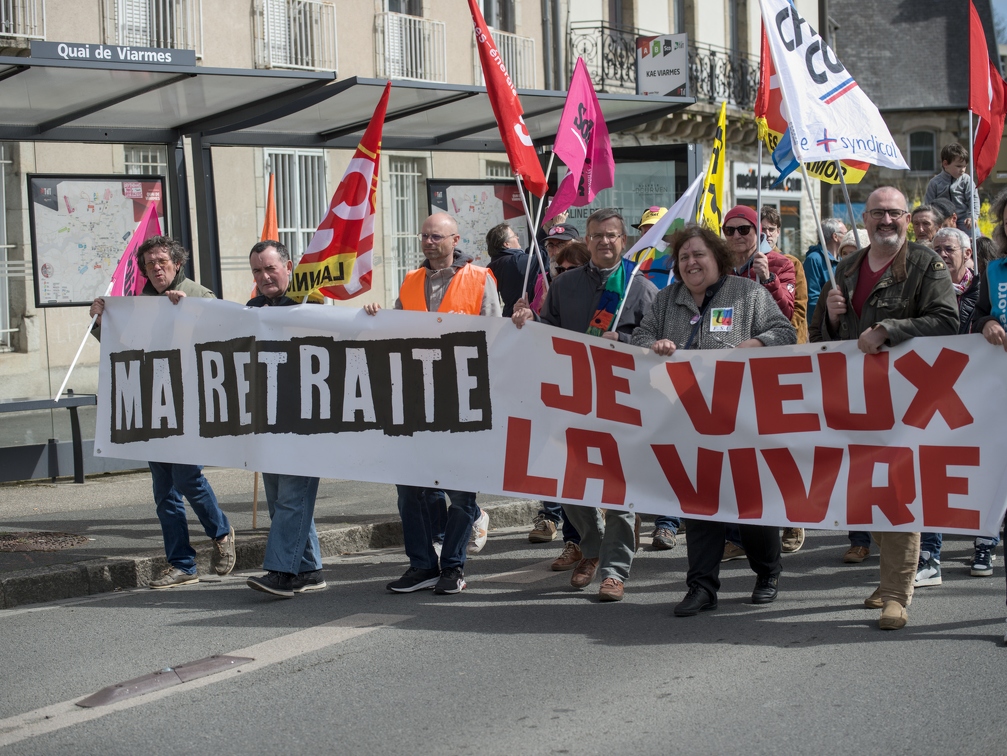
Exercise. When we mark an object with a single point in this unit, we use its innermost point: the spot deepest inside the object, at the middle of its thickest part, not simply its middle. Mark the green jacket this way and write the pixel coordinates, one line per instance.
(180, 283)
(913, 298)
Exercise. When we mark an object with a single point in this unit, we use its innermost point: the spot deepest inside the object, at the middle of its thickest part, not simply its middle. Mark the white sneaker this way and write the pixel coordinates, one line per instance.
(928, 571)
(477, 539)
(438, 545)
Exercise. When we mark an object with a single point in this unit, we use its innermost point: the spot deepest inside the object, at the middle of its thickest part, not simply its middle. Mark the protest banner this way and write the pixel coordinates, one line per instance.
(836, 439)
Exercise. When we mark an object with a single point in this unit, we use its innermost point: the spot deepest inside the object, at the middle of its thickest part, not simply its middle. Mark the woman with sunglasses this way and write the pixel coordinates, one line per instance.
(708, 308)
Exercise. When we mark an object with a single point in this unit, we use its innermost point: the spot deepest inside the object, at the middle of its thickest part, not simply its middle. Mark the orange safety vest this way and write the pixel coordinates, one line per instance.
(464, 294)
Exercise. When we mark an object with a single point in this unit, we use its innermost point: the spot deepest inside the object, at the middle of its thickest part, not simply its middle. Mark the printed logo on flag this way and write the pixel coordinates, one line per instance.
(721, 318)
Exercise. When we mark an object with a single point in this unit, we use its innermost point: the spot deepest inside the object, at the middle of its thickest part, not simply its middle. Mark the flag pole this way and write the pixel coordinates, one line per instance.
(818, 223)
(87, 332)
(974, 192)
(849, 207)
(534, 233)
(758, 197)
(541, 205)
(534, 240)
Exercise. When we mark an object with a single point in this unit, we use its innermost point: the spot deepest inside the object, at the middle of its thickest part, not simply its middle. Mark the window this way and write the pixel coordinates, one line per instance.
(679, 17)
(5, 268)
(155, 23)
(408, 7)
(923, 151)
(498, 169)
(148, 159)
(499, 14)
(296, 34)
(620, 14)
(408, 193)
(21, 21)
(301, 199)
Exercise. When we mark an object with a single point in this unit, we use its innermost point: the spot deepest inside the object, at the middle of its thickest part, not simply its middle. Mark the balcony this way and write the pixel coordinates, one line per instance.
(21, 21)
(154, 23)
(409, 47)
(297, 34)
(518, 54)
(715, 74)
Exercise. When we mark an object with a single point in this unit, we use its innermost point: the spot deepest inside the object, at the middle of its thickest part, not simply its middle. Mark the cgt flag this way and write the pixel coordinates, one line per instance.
(711, 209)
(987, 99)
(507, 108)
(583, 144)
(830, 116)
(127, 280)
(339, 261)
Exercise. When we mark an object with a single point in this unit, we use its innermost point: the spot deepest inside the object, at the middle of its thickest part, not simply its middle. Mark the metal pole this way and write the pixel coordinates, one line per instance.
(818, 224)
(849, 207)
(758, 197)
(534, 239)
(975, 190)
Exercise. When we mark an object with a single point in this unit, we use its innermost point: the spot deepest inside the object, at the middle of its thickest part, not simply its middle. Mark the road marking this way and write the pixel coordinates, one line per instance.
(530, 574)
(67, 714)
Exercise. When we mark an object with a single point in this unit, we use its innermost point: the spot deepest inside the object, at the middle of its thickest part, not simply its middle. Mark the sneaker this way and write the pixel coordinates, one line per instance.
(543, 530)
(583, 573)
(928, 571)
(982, 560)
(732, 552)
(893, 616)
(792, 540)
(477, 538)
(663, 539)
(438, 545)
(276, 583)
(174, 577)
(856, 554)
(222, 559)
(568, 559)
(452, 580)
(611, 589)
(414, 579)
(308, 581)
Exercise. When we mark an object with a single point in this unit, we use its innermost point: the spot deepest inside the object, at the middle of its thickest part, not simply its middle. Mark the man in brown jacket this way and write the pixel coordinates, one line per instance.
(887, 293)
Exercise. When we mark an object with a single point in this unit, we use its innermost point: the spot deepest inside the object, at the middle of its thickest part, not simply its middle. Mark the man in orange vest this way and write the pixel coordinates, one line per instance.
(446, 282)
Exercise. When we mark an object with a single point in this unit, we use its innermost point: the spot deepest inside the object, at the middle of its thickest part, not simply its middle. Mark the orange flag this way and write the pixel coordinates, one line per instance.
(270, 229)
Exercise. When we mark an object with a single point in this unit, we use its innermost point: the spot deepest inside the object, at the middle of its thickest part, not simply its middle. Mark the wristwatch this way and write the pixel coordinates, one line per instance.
(772, 277)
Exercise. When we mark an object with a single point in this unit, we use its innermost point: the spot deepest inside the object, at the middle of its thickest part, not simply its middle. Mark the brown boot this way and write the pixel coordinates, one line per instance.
(893, 616)
(583, 573)
(569, 559)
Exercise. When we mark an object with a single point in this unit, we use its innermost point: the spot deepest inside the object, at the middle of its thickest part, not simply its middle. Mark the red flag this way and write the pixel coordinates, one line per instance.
(339, 259)
(127, 279)
(987, 99)
(507, 109)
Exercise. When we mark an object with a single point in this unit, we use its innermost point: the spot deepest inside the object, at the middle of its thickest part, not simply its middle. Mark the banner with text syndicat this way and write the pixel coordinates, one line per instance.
(811, 435)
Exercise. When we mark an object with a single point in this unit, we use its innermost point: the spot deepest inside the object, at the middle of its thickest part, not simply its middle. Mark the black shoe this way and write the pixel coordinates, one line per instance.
(452, 581)
(766, 590)
(696, 600)
(415, 579)
(277, 583)
(308, 581)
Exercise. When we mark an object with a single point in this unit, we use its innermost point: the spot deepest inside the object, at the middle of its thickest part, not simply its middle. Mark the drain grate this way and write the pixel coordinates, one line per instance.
(40, 541)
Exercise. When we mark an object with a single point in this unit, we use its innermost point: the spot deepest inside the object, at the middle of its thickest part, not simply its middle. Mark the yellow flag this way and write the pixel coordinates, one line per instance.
(711, 208)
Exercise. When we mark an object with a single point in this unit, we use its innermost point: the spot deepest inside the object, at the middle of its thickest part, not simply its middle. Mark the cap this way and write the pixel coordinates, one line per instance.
(563, 232)
(651, 216)
(742, 211)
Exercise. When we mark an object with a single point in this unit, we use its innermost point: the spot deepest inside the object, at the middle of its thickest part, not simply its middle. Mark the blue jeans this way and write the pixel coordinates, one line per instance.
(932, 542)
(437, 508)
(860, 538)
(418, 533)
(171, 483)
(668, 523)
(292, 545)
(554, 512)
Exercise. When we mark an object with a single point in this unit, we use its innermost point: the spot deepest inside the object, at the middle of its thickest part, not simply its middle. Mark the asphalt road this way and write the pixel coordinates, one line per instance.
(520, 663)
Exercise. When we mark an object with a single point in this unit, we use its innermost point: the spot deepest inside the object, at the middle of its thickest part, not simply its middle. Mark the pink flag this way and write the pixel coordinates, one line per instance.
(582, 143)
(127, 280)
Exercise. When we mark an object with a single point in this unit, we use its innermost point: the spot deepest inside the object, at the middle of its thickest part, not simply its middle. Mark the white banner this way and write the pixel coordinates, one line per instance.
(831, 118)
(816, 435)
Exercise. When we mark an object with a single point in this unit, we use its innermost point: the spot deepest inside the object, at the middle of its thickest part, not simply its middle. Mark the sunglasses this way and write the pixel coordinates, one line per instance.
(732, 230)
(564, 269)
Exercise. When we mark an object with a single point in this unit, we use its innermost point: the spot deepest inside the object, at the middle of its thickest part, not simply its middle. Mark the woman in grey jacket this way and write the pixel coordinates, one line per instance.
(707, 308)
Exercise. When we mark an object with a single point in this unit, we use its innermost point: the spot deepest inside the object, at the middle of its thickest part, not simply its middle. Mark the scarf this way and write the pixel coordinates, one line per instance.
(608, 304)
(962, 287)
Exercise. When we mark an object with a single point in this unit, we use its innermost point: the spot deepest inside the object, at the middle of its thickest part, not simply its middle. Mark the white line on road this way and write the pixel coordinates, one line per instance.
(66, 714)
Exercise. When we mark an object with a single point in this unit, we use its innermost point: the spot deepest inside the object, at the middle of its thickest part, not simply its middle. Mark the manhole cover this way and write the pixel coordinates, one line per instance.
(32, 541)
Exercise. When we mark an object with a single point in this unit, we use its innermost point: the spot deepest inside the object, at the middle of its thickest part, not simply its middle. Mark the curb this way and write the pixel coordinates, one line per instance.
(94, 576)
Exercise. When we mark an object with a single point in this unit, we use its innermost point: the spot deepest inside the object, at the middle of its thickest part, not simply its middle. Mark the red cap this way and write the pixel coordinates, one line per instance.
(742, 211)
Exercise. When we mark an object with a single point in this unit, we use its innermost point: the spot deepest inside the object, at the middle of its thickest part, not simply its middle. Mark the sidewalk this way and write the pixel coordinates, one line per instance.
(125, 551)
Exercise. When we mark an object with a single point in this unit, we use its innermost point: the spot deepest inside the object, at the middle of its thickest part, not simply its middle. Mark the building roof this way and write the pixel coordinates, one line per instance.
(910, 54)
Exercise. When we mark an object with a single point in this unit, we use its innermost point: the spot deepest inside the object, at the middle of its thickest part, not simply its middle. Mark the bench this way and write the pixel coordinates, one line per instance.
(70, 401)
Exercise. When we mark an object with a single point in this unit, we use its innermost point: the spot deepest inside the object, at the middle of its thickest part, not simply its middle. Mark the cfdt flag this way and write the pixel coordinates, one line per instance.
(339, 261)
(830, 116)
(507, 109)
(987, 99)
(583, 144)
(127, 279)
(711, 209)
(772, 123)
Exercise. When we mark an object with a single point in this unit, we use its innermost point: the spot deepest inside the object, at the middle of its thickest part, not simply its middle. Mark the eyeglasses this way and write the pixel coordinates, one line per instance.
(435, 238)
(880, 213)
(743, 230)
(605, 237)
(153, 264)
(564, 268)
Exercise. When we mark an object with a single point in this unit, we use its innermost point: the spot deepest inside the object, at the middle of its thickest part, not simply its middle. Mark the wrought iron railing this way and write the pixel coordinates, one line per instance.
(715, 74)
(518, 54)
(299, 34)
(21, 20)
(409, 47)
(154, 23)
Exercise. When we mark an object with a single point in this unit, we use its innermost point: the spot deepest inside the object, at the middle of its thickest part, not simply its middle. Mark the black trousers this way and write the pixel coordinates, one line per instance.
(705, 542)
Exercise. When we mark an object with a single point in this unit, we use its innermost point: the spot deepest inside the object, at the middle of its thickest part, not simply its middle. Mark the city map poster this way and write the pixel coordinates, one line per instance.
(80, 226)
(478, 206)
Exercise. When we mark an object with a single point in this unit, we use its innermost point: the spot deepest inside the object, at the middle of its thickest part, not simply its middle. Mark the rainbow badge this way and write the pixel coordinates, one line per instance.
(721, 318)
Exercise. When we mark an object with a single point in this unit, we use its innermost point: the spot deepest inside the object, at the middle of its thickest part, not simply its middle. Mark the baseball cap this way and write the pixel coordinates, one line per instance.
(563, 232)
(651, 216)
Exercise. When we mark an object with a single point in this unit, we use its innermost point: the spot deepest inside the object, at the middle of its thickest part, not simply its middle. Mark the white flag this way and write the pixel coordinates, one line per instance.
(681, 213)
(830, 116)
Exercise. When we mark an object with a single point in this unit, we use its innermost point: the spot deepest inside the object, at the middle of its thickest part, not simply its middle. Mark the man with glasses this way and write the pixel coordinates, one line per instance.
(886, 293)
(162, 262)
(447, 281)
(586, 300)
